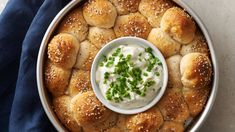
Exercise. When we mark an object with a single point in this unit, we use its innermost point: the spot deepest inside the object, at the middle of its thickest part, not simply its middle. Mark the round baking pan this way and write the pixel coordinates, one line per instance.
(44, 95)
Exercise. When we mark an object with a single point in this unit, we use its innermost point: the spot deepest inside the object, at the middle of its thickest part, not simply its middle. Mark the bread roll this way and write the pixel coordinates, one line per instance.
(79, 82)
(126, 6)
(133, 24)
(196, 99)
(173, 107)
(85, 56)
(75, 24)
(62, 50)
(100, 13)
(153, 10)
(56, 79)
(90, 113)
(196, 70)
(148, 121)
(163, 42)
(170, 126)
(61, 107)
(174, 77)
(100, 36)
(179, 25)
(199, 44)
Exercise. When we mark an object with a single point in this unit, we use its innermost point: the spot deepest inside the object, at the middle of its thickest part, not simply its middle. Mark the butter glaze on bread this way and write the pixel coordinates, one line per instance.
(88, 110)
(75, 24)
(197, 45)
(196, 70)
(99, 13)
(56, 79)
(164, 42)
(153, 10)
(61, 107)
(85, 56)
(196, 99)
(179, 25)
(126, 6)
(100, 36)
(62, 50)
(148, 121)
(79, 82)
(173, 107)
(170, 126)
(133, 24)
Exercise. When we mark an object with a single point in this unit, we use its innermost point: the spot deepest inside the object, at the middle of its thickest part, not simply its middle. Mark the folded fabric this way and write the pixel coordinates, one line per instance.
(22, 27)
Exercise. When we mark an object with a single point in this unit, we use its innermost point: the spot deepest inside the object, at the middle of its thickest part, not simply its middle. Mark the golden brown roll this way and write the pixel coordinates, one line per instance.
(62, 50)
(173, 107)
(75, 24)
(164, 42)
(148, 121)
(100, 36)
(174, 76)
(56, 79)
(199, 44)
(100, 13)
(133, 24)
(179, 25)
(196, 70)
(126, 6)
(79, 82)
(153, 10)
(170, 126)
(196, 99)
(61, 107)
(90, 113)
(85, 56)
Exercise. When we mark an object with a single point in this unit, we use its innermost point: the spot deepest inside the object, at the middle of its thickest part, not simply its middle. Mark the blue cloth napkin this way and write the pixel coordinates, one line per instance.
(22, 26)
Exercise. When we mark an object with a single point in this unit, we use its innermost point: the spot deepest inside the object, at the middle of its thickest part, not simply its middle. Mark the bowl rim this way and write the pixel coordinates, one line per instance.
(114, 44)
(41, 56)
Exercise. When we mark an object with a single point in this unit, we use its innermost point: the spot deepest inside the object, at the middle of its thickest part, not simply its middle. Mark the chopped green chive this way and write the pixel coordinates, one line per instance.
(128, 78)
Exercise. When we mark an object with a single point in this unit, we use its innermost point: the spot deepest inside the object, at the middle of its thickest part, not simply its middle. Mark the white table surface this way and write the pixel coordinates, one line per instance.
(219, 17)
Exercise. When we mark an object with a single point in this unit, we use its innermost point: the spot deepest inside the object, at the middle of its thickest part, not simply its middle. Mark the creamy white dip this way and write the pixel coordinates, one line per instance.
(136, 69)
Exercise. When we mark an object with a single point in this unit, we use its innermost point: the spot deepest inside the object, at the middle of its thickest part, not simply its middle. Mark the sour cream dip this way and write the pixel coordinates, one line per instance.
(129, 76)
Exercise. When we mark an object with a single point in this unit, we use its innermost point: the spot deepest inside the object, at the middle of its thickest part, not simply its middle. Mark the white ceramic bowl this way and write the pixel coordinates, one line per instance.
(107, 48)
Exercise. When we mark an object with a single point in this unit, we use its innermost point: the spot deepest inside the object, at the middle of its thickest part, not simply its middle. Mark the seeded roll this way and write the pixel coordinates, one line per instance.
(85, 56)
(61, 107)
(63, 49)
(196, 70)
(133, 24)
(126, 6)
(173, 107)
(100, 13)
(196, 99)
(179, 25)
(173, 65)
(170, 126)
(199, 44)
(90, 113)
(56, 79)
(164, 42)
(153, 10)
(75, 24)
(79, 82)
(100, 36)
(148, 121)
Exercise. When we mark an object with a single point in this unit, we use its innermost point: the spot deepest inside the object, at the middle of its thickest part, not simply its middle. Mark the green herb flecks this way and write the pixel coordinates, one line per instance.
(126, 77)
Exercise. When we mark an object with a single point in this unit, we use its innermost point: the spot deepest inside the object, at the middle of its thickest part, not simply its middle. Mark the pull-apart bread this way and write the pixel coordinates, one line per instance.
(89, 27)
